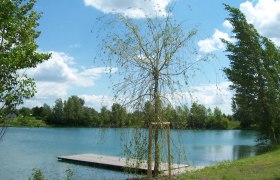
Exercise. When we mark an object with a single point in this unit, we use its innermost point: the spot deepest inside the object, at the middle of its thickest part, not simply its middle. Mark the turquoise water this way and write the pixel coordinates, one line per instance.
(23, 149)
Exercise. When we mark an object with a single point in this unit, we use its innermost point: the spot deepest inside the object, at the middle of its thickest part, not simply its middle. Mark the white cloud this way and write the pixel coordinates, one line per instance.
(131, 8)
(97, 101)
(227, 25)
(265, 16)
(213, 95)
(53, 90)
(57, 76)
(56, 69)
(96, 72)
(210, 95)
(31, 103)
(214, 43)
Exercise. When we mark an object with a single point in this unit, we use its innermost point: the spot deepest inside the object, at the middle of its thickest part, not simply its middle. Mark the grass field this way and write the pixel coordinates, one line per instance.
(265, 166)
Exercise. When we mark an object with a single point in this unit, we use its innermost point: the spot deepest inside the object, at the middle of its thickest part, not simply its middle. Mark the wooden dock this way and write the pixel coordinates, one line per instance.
(115, 163)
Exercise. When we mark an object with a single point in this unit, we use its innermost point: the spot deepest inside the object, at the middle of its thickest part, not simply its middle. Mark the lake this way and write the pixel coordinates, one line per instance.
(23, 149)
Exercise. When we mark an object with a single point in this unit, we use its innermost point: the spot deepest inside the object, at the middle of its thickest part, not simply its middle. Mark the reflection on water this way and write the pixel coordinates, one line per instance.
(211, 146)
(23, 149)
(243, 151)
(207, 155)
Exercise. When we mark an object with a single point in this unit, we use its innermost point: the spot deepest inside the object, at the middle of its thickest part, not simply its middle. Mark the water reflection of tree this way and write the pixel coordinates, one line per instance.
(241, 151)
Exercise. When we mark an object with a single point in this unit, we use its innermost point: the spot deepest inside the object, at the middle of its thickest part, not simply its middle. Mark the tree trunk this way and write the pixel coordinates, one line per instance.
(273, 136)
(157, 153)
(150, 141)
(156, 119)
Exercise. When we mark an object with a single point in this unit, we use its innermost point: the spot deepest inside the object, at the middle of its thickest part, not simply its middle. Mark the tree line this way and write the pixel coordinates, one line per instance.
(73, 112)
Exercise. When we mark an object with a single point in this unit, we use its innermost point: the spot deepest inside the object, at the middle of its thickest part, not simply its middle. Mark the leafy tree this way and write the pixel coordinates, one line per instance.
(43, 112)
(118, 115)
(73, 110)
(218, 118)
(57, 112)
(90, 117)
(246, 119)
(224, 123)
(254, 71)
(170, 114)
(25, 111)
(198, 116)
(46, 112)
(105, 115)
(139, 118)
(211, 120)
(37, 112)
(18, 50)
(149, 57)
(182, 114)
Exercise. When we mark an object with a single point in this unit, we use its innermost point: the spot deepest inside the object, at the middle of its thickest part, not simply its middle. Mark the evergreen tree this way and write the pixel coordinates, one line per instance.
(254, 71)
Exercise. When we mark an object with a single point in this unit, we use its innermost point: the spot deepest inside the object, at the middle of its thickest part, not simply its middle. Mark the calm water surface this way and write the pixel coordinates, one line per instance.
(23, 149)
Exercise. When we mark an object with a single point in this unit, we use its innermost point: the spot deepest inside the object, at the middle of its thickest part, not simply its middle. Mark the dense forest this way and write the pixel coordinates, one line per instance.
(73, 112)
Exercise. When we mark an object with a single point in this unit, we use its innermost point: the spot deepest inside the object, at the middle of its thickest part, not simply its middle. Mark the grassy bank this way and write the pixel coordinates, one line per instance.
(265, 166)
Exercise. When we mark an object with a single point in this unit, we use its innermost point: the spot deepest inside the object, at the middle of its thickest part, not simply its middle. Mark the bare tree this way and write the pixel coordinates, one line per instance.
(153, 57)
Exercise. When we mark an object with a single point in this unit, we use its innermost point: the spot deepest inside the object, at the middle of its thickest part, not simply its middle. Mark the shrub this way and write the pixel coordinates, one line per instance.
(225, 122)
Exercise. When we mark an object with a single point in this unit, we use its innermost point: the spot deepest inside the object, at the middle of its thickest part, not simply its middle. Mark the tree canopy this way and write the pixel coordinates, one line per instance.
(18, 50)
(254, 71)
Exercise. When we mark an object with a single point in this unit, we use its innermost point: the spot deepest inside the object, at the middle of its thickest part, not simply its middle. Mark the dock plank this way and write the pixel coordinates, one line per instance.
(115, 163)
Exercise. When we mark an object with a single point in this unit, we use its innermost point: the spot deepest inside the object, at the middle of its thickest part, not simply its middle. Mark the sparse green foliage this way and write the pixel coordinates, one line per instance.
(254, 71)
(149, 57)
(69, 174)
(37, 175)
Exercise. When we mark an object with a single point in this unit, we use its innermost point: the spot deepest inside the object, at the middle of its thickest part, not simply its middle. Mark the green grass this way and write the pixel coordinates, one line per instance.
(265, 166)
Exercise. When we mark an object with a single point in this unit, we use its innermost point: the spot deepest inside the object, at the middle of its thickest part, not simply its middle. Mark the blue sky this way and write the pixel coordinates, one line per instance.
(68, 30)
